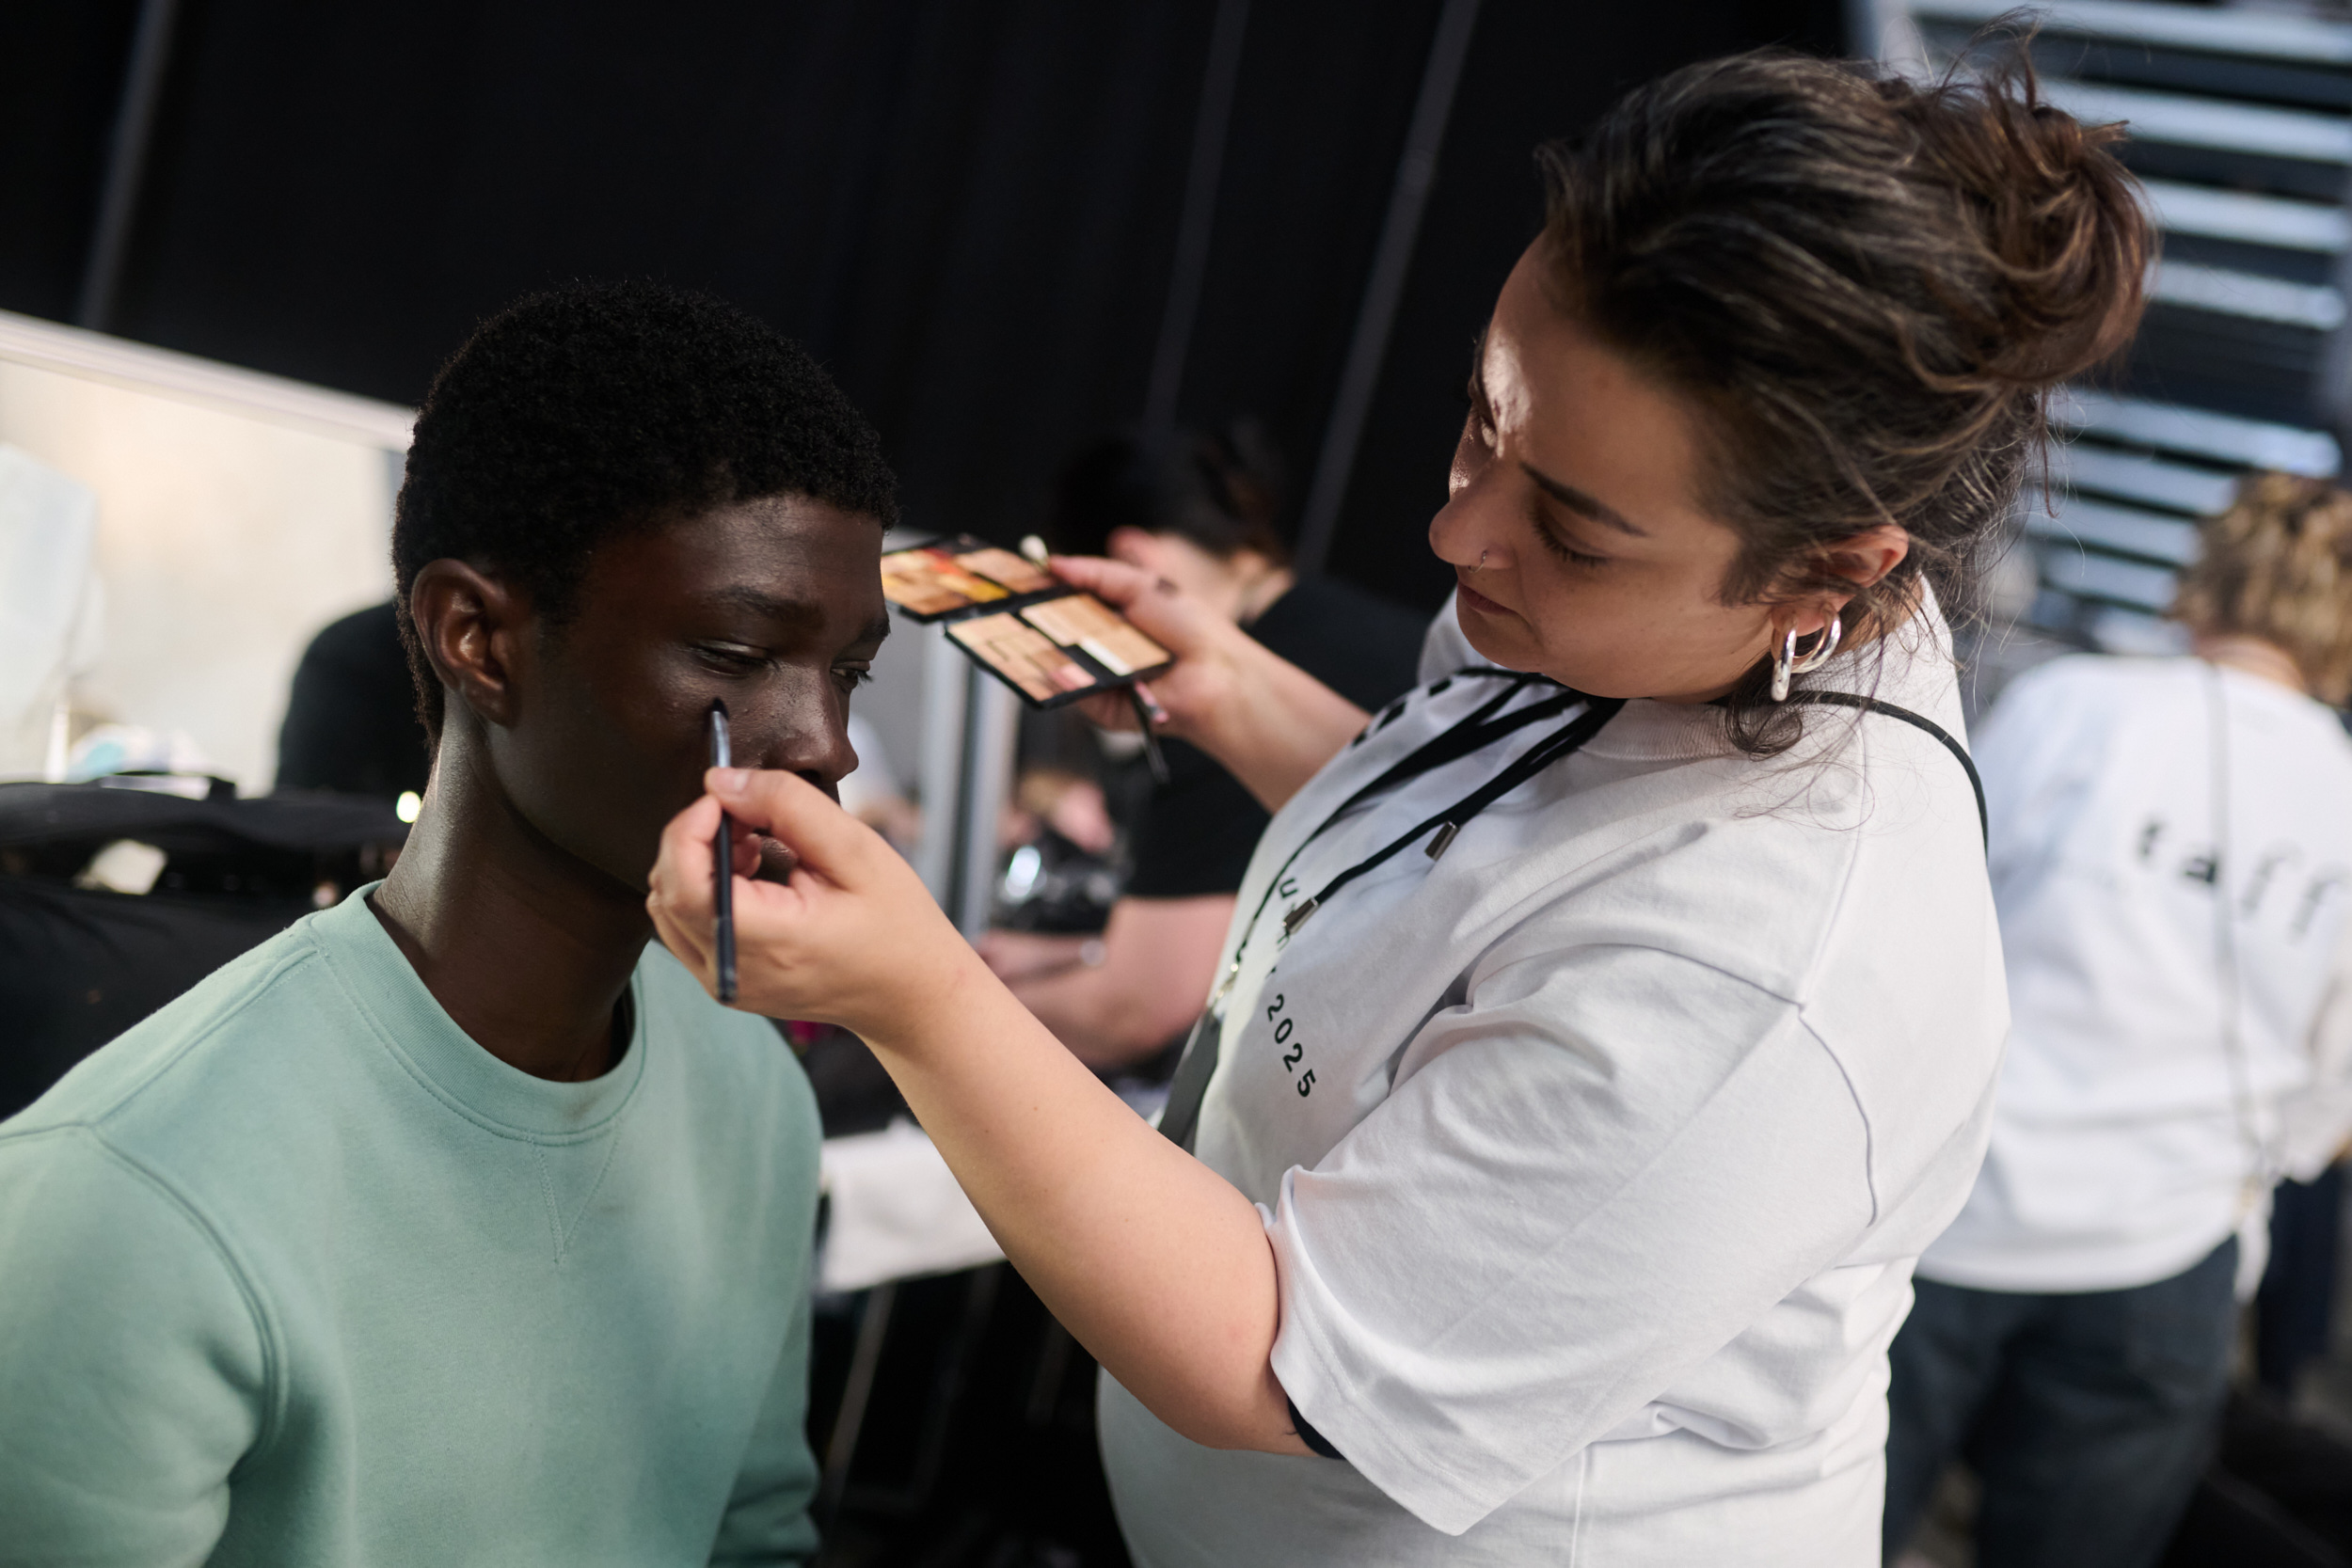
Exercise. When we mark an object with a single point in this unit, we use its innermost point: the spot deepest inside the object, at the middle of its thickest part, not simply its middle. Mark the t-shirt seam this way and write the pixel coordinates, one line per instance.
(265, 1329)
(1862, 1114)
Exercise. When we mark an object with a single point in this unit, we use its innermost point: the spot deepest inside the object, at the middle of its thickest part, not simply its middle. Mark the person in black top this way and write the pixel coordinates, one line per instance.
(351, 721)
(1201, 511)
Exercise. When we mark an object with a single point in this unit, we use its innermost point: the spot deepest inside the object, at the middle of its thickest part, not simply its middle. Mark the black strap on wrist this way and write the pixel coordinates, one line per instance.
(1314, 1440)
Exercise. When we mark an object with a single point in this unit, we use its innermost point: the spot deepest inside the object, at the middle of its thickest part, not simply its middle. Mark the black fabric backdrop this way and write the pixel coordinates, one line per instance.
(967, 208)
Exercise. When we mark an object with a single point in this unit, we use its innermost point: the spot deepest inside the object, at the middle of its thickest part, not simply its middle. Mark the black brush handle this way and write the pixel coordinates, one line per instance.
(722, 860)
(1153, 756)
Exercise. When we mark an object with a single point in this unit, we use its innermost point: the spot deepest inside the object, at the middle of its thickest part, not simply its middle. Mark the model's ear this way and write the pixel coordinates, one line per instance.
(472, 625)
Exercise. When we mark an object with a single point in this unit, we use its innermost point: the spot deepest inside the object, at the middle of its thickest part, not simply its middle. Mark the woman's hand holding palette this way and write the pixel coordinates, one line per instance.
(1044, 639)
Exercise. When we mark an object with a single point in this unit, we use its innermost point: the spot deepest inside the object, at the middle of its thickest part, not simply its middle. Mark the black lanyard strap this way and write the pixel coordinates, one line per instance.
(1919, 722)
(1480, 729)
(1474, 734)
(1181, 1118)
(1452, 820)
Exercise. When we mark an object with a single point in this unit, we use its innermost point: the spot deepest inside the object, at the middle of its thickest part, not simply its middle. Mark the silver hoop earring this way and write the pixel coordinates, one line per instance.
(1787, 663)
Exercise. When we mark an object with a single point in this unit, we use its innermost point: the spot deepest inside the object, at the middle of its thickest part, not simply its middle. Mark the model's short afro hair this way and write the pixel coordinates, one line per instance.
(586, 412)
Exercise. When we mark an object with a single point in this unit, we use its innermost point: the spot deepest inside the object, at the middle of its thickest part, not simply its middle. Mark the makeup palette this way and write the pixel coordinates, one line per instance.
(1047, 640)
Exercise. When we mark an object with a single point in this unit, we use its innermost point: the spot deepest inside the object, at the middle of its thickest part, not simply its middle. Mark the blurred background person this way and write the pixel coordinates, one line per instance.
(2171, 840)
(1200, 509)
(351, 719)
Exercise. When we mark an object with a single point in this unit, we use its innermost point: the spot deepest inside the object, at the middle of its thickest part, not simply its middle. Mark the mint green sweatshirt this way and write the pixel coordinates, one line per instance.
(296, 1273)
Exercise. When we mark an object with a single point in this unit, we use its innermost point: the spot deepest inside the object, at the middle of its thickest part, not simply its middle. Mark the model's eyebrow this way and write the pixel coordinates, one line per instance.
(1579, 502)
(797, 614)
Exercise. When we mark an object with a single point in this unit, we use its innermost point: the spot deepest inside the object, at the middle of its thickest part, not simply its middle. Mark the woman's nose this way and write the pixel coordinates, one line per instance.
(1462, 533)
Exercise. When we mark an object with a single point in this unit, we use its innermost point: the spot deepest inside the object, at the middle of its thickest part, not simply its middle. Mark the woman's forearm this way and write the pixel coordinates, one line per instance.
(1155, 1263)
(1276, 726)
(1158, 959)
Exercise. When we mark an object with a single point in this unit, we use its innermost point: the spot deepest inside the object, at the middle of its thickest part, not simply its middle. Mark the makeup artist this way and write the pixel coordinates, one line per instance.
(1604, 1028)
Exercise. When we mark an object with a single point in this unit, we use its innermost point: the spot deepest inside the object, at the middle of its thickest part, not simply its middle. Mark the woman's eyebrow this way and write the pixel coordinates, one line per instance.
(1577, 502)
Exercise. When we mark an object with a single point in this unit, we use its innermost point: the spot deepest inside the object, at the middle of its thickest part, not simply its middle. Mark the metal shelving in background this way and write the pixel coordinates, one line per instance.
(2241, 130)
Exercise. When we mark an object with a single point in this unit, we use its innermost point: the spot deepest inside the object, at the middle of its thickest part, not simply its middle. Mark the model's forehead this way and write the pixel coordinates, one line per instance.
(764, 556)
(795, 533)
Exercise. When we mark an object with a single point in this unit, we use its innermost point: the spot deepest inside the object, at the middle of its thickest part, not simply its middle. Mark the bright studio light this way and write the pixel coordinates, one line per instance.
(409, 805)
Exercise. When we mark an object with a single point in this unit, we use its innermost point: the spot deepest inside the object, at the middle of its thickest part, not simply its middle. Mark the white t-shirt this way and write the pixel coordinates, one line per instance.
(1628, 1118)
(2121, 1148)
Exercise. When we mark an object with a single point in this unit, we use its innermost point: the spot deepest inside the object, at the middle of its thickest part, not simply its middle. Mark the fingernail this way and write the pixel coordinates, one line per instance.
(730, 781)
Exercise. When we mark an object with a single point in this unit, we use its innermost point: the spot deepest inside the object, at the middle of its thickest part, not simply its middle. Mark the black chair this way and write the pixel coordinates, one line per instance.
(80, 964)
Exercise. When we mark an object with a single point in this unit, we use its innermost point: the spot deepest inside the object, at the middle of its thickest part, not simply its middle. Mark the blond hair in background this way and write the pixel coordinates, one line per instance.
(2278, 565)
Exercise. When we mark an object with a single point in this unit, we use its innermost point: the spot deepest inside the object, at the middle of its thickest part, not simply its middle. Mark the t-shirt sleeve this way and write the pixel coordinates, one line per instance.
(132, 1368)
(1592, 1174)
(767, 1519)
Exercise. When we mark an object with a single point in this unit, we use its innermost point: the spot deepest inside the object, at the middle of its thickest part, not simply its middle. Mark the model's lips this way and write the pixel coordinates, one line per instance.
(1473, 598)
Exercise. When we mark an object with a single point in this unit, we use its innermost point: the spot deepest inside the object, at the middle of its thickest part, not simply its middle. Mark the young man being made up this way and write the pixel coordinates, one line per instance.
(457, 1224)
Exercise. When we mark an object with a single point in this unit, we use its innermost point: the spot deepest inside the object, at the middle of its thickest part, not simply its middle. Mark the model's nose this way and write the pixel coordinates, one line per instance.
(814, 745)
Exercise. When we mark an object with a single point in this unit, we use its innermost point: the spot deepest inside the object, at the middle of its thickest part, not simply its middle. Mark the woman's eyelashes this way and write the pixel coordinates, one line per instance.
(850, 676)
(1548, 534)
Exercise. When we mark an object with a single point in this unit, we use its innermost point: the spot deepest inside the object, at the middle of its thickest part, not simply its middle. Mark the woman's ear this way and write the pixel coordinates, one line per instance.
(470, 625)
(1868, 556)
(1861, 559)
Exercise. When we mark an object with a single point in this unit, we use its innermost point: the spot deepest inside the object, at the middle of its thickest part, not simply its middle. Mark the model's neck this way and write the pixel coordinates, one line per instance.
(2253, 655)
(526, 947)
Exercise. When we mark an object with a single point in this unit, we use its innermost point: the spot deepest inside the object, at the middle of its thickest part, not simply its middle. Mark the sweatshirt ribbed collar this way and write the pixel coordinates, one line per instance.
(444, 1060)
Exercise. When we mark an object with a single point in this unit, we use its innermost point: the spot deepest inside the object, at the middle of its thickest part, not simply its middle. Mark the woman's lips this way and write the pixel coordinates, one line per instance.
(1478, 601)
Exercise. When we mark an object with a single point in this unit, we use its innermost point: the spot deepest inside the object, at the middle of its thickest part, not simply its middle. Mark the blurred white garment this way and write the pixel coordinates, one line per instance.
(894, 1211)
(2131, 1113)
(49, 608)
(874, 780)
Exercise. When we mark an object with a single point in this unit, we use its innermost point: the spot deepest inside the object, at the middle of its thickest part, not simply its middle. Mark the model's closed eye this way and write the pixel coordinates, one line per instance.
(734, 658)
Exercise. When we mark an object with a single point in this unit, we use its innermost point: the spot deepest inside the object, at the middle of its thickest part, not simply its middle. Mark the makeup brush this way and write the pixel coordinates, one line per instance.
(723, 857)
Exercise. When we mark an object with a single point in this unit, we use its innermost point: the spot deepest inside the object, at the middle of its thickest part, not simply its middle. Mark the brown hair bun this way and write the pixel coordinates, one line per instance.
(2059, 220)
